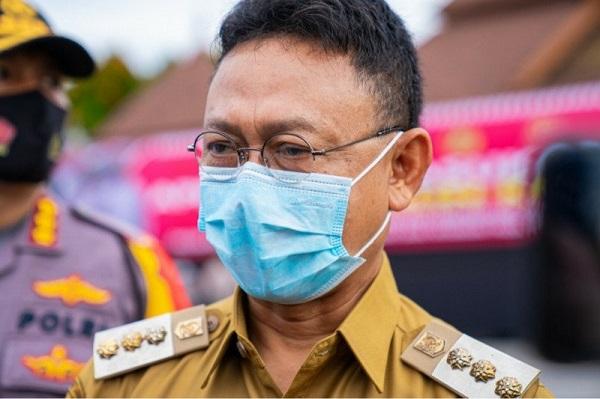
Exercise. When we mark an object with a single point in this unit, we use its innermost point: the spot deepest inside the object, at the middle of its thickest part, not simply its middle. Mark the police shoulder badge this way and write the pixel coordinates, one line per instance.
(142, 343)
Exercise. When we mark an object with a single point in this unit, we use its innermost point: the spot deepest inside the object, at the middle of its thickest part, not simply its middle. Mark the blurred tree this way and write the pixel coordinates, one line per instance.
(95, 98)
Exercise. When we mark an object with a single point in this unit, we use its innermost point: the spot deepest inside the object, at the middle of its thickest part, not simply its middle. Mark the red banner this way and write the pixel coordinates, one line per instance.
(480, 189)
(167, 177)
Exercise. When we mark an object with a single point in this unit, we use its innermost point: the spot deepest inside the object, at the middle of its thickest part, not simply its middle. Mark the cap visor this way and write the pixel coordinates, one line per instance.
(71, 58)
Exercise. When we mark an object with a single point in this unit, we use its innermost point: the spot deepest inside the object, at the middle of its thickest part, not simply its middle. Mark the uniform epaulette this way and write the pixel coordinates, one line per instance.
(145, 342)
(107, 222)
(467, 366)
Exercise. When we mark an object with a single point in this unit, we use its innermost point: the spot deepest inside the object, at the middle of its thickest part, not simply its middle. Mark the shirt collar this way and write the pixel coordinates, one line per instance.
(378, 307)
(238, 322)
(8, 237)
(370, 326)
(235, 324)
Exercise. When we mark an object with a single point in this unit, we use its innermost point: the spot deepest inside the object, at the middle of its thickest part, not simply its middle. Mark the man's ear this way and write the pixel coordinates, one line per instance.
(410, 159)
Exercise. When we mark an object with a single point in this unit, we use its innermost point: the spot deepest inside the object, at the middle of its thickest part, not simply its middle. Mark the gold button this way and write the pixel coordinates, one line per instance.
(242, 349)
(213, 322)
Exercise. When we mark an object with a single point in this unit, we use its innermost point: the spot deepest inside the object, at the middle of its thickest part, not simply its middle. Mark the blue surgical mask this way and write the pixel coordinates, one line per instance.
(281, 237)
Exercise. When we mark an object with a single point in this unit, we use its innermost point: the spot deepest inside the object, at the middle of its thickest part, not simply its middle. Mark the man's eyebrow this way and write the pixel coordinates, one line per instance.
(265, 129)
(287, 125)
(222, 126)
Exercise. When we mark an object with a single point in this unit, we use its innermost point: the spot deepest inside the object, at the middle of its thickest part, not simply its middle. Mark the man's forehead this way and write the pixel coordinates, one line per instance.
(287, 58)
(287, 46)
(277, 77)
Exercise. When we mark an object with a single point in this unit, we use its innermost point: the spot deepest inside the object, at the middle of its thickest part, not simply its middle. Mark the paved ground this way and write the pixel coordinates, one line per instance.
(564, 379)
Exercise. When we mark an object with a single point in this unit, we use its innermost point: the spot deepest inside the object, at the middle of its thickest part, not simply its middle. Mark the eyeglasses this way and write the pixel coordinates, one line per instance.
(284, 151)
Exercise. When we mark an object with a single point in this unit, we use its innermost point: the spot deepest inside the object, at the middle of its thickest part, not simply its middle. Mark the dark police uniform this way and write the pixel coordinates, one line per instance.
(64, 275)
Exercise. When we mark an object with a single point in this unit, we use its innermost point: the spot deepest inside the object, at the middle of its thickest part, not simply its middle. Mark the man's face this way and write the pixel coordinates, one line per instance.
(287, 86)
(24, 71)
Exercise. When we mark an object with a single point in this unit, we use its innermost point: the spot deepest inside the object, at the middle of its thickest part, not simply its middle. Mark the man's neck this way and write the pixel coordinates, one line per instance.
(16, 201)
(285, 334)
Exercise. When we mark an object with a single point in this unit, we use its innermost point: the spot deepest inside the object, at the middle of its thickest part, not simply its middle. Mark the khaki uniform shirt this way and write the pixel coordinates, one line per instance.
(360, 359)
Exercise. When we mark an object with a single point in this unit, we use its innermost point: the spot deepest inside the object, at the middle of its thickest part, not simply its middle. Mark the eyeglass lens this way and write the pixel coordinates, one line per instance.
(281, 152)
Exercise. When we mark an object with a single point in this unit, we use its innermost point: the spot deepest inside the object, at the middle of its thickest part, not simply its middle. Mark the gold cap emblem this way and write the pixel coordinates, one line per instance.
(189, 328)
(430, 344)
(132, 341)
(483, 370)
(459, 358)
(108, 349)
(508, 387)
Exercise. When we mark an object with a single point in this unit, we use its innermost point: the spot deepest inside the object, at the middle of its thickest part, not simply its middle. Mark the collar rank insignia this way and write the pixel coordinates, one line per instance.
(44, 223)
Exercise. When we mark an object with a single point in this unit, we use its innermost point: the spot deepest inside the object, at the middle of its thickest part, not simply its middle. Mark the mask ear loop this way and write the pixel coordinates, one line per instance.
(382, 154)
(376, 235)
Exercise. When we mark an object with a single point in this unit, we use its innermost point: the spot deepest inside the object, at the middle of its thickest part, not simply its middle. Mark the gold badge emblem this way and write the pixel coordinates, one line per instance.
(72, 290)
(189, 328)
(108, 349)
(459, 358)
(57, 366)
(508, 387)
(156, 336)
(132, 341)
(483, 370)
(430, 344)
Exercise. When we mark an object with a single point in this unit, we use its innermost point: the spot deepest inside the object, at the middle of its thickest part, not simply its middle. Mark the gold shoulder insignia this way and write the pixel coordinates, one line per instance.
(466, 366)
(145, 342)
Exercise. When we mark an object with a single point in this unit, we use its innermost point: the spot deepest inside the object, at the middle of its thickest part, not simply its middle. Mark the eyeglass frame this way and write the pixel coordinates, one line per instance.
(243, 151)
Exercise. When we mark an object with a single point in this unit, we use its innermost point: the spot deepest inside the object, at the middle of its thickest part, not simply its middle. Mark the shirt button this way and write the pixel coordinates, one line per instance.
(242, 349)
(213, 322)
(323, 352)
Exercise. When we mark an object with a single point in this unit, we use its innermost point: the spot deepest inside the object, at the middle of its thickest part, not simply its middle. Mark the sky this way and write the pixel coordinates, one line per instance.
(149, 34)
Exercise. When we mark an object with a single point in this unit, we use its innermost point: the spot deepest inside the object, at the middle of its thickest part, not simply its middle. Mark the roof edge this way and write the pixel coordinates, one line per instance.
(465, 9)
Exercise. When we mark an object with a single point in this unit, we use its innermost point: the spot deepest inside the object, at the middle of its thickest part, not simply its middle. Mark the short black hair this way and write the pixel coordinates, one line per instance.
(375, 38)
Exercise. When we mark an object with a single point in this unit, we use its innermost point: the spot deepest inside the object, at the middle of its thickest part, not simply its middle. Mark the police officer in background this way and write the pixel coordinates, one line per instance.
(64, 273)
(311, 140)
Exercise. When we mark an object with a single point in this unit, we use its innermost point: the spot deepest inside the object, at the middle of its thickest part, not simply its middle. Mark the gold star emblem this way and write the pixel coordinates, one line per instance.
(132, 341)
(483, 370)
(459, 358)
(108, 349)
(156, 336)
(508, 387)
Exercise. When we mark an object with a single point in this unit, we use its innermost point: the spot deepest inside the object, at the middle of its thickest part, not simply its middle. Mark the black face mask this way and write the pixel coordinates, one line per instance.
(30, 136)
